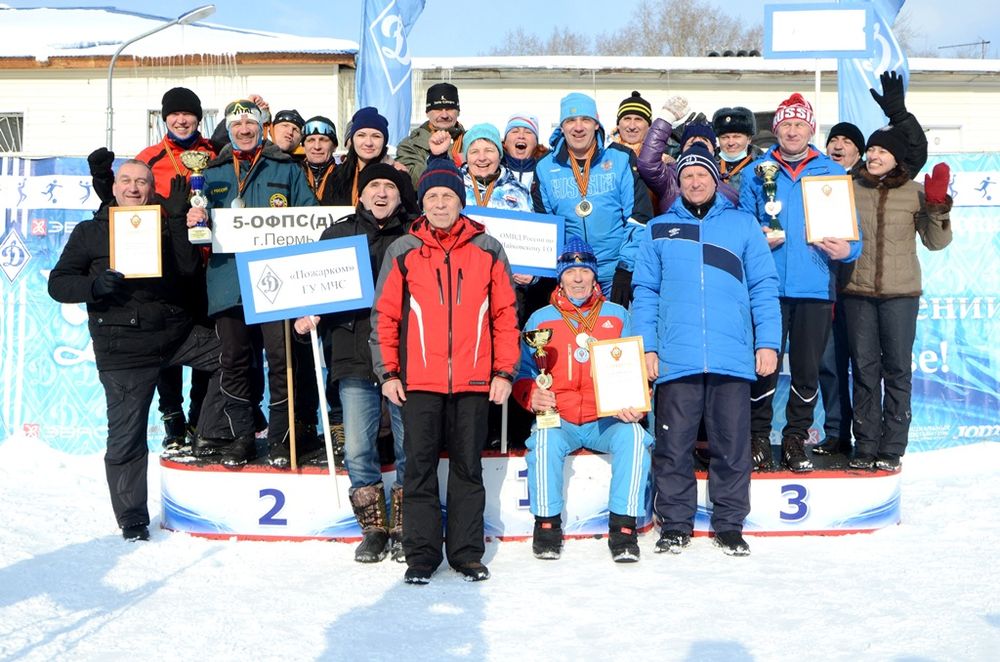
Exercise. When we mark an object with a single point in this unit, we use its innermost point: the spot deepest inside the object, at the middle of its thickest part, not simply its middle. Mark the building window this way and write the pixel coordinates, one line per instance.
(157, 129)
(11, 132)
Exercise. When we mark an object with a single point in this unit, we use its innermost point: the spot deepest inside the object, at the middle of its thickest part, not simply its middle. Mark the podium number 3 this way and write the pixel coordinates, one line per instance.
(796, 495)
(269, 518)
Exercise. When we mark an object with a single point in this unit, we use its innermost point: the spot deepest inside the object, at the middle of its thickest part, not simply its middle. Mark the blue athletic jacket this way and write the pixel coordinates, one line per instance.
(705, 292)
(803, 270)
(620, 200)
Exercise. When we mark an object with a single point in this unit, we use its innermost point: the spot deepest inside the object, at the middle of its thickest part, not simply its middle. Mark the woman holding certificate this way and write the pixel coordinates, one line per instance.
(881, 293)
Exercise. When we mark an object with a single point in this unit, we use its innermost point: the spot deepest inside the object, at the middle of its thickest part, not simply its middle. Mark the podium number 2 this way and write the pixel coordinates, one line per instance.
(796, 495)
(269, 518)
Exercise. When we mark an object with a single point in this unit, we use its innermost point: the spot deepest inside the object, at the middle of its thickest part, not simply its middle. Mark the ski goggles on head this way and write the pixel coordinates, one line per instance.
(577, 258)
(319, 127)
(291, 116)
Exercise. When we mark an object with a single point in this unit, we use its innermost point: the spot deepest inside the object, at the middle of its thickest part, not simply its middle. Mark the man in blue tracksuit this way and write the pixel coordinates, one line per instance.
(597, 190)
(706, 306)
(806, 282)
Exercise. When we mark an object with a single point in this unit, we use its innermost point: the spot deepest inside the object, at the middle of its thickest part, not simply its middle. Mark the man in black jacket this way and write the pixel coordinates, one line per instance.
(138, 326)
(382, 217)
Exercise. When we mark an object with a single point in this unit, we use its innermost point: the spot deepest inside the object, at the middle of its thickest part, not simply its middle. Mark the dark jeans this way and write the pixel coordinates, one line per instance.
(805, 325)
(129, 394)
(455, 424)
(680, 404)
(835, 379)
(881, 334)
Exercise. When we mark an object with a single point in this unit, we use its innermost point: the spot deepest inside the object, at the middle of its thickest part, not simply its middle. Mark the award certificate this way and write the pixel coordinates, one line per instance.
(829, 206)
(619, 371)
(135, 241)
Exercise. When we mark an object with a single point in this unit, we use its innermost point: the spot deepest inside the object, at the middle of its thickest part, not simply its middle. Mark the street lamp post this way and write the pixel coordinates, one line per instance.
(183, 19)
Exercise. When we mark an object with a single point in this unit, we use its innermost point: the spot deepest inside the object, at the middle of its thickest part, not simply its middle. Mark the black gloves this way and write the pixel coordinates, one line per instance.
(108, 284)
(621, 287)
(176, 204)
(101, 161)
(892, 98)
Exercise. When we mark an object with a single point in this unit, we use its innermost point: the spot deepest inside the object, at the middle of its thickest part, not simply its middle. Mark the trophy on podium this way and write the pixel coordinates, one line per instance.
(537, 340)
(196, 162)
(768, 171)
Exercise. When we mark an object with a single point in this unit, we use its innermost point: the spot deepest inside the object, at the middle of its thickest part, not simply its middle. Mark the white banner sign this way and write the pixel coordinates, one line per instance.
(256, 228)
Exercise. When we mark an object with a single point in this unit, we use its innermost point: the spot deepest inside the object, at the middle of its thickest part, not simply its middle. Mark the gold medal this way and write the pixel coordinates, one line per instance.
(584, 208)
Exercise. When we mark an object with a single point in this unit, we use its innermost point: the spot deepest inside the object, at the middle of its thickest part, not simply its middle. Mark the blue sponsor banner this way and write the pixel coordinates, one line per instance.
(384, 62)
(856, 76)
(48, 380)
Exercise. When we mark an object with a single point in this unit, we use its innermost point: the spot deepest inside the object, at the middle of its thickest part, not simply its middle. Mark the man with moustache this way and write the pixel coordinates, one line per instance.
(442, 115)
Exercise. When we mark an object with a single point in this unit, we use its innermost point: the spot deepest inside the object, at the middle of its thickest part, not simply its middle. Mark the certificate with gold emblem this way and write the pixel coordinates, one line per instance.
(619, 371)
(135, 241)
(829, 207)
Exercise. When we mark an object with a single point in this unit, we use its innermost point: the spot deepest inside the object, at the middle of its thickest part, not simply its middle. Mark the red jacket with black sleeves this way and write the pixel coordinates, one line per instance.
(445, 317)
(164, 159)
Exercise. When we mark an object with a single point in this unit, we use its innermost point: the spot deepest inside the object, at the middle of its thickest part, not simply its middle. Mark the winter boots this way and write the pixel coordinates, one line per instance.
(672, 541)
(623, 540)
(174, 432)
(240, 451)
(547, 540)
(793, 452)
(732, 543)
(396, 527)
(760, 453)
(368, 503)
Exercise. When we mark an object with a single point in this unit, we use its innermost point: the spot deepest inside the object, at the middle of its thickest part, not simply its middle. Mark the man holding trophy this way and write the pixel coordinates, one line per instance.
(774, 195)
(555, 382)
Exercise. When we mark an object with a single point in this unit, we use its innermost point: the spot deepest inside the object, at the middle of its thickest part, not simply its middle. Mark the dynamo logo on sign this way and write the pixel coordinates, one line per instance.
(14, 255)
(387, 33)
(269, 284)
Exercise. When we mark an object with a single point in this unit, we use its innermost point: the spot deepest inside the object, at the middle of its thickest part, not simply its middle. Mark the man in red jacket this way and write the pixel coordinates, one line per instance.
(444, 345)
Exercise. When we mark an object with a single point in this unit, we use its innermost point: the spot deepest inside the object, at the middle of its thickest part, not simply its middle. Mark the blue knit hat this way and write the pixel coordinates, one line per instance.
(699, 130)
(369, 118)
(441, 172)
(576, 104)
(698, 155)
(481, 132)
(576, 253)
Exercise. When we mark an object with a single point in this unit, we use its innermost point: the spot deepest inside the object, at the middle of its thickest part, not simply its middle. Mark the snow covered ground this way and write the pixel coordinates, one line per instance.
(70, 588)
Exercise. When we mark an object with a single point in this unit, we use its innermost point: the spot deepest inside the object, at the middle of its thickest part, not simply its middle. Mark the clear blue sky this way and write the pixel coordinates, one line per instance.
(447, 27)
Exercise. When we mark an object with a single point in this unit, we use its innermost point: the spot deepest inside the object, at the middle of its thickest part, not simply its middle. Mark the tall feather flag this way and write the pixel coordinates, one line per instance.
(384, 61)
(856, 76)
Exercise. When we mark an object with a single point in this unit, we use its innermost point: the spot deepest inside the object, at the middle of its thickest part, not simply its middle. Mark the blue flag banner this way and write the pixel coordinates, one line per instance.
(855, 77)
(383, 76)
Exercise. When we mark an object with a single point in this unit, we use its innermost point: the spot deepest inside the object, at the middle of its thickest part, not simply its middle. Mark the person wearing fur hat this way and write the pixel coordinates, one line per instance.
(735, 128)
(442, 115)
(521, 147)
(881, 292)
(806, 281)
(382, 217)
(444, 300)
(634, 117)
(661, 175)
(706, 306)
(596, 189)
(578, 307)
(367, 142)
(249, 172)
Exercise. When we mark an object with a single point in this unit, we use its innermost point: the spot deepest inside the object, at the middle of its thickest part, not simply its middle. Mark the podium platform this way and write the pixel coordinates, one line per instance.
(258, 502)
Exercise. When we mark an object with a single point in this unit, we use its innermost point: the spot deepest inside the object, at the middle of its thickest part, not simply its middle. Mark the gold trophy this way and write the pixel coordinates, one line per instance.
(537, 340)
(196, 162)
(768, 171)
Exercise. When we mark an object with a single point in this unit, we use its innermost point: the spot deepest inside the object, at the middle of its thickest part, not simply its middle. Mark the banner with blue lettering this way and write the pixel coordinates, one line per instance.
(383, 75)
(855, 77)
(48, 380)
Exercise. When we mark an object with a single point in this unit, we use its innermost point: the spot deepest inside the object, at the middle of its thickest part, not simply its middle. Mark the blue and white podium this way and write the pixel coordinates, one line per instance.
(261, 503)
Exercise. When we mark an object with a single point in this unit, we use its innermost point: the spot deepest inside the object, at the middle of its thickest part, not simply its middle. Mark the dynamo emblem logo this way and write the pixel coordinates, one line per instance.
(387, 33)
(14, 255)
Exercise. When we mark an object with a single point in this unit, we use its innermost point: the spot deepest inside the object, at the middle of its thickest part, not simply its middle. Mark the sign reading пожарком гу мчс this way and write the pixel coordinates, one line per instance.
(309, 279)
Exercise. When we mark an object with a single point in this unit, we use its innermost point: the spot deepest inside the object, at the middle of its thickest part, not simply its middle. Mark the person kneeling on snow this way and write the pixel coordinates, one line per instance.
(578, 315)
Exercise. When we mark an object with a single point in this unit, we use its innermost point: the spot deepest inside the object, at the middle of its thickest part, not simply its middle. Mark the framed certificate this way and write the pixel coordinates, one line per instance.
(136, 241)
(829, 207)
(619, 371)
